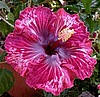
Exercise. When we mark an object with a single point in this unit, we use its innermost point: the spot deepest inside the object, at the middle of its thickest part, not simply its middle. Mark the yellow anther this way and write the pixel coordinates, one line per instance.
(65, 34)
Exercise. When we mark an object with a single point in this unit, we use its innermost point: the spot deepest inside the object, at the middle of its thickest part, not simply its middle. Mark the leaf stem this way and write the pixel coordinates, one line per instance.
(7, 22)
(95, 50)
(3, 62)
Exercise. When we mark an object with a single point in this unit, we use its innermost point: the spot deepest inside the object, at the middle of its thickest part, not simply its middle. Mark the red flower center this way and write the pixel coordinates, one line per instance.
(49, 50)
(63, 36)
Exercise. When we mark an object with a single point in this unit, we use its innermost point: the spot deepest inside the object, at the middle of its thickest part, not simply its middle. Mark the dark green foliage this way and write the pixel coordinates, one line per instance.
(4, 5)
(6, 80)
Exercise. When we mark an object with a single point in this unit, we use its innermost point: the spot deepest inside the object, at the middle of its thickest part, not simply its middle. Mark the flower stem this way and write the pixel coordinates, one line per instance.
(95, 50)
(7, 22)
(29, 3)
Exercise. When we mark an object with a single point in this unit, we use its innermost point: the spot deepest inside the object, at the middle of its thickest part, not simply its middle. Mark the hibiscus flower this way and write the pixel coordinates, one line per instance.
(50, 49)
(98, 86)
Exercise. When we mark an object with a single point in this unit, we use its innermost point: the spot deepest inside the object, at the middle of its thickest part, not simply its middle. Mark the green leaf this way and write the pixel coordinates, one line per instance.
(96, 83)
(94, 3)
(83, 16)
(90, 23)
(98, 56)
(87, 5)
(10, 16)
(4, 5)
(6, 80)
(2, 56)
(18, 9)
(72, 7)
(96, 70)
(37, 1)
(97, 25)
(64, 93)
(98, 92)
(3, 28)
(47, 94)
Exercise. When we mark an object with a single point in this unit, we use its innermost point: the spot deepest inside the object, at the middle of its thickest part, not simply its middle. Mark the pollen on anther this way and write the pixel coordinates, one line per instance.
(65, 34)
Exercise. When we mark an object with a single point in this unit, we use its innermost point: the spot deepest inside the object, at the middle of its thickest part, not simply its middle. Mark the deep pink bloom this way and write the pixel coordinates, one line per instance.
(50, 49)
(98, 87)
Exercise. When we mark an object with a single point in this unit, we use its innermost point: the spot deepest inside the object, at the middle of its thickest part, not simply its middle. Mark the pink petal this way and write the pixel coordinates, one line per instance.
(37, 21)
(50, 76)
(98, 87)
(79, 60)
(64, 20)
(21, 51)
